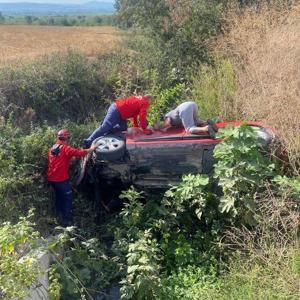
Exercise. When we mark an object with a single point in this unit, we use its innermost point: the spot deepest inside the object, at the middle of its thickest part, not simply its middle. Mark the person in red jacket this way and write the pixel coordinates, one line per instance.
(59, 158)
(134, 107)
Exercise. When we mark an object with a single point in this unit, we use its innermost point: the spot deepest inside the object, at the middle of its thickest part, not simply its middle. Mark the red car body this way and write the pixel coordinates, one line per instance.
(160, 159)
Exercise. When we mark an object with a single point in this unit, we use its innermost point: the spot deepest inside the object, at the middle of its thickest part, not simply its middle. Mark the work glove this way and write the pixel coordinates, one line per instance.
(147, 131)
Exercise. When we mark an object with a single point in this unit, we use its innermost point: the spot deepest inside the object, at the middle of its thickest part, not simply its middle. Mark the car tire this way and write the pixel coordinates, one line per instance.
(110, 147)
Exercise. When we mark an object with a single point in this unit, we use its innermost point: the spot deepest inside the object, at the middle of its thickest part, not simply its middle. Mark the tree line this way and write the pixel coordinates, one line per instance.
(63, 20)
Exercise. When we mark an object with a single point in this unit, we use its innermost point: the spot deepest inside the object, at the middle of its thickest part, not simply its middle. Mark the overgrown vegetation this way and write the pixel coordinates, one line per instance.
(233, 235)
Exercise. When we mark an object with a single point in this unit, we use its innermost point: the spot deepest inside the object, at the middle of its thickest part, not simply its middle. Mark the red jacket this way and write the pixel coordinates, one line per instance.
(58, 165)
(134, 107)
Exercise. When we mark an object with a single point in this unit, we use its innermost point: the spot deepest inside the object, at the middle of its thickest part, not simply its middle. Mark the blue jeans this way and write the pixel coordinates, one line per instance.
(112, 123)
(63, 201)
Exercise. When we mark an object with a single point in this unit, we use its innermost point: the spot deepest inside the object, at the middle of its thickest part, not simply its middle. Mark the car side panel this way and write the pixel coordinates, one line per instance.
(161, 164)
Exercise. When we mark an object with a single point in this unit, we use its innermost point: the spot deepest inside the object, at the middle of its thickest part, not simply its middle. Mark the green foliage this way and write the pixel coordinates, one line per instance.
(213, 90)
(132, 212)
(190, 283)
(250, 279)
(82, 269)
(179, 28)
(142, 280)
(23, 162)
(165, 100)
(55, 286)
(66, 20)
(2, 18)
(189, 193)
(55, 88)
(286, 184)
(240, 170)
(19, 267)
(168, 235)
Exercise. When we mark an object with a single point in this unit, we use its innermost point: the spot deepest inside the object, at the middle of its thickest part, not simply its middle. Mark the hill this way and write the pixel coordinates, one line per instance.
(29, 8)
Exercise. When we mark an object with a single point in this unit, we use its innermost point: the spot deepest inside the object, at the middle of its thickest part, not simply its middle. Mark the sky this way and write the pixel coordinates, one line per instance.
(55, 1)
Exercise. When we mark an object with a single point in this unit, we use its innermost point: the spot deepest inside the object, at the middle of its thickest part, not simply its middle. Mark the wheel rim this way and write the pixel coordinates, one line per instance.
(108, 144)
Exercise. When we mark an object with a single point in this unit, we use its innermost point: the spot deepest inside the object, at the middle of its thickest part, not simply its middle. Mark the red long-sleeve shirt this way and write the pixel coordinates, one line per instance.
(134, 107)
(58, 166)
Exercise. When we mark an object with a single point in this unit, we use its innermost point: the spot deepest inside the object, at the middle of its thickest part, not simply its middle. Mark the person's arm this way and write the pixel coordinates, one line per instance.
(135, 122)
(72, 152)
(143, 115)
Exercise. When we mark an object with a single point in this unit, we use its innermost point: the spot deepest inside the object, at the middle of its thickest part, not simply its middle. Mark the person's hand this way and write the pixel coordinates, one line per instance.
(92, 148)
(148, 131)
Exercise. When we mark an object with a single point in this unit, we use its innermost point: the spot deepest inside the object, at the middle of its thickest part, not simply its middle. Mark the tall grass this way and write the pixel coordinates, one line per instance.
(264, 48)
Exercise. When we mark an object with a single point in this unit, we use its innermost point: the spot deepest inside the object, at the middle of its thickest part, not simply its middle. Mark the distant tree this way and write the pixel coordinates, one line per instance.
(181, 27)
(142, 13)
(98, 20)
(65, 21)
(42, 21)
(2, 18)
(73, 22)
(29, 20)
(50, 21)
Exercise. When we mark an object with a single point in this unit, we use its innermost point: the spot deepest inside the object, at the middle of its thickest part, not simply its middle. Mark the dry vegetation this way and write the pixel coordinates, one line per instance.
(265, 49)
(23, 43)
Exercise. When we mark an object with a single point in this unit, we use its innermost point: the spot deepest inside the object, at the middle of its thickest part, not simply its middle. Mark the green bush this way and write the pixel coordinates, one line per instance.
(190, 283)
(213, 90)
(180, 30)
(53, 89)
(19, 266)
(23, 162)
(241, 170)
(81, 268)
(165, 100)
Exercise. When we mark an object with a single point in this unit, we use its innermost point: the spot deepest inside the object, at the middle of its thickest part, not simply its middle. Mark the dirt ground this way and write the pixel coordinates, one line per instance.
(19, 42)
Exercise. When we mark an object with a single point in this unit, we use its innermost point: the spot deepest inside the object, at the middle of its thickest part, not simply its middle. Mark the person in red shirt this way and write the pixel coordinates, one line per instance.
(59, 158)
(134, 107)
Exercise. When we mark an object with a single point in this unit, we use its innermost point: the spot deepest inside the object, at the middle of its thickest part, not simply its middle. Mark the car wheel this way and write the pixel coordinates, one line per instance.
(109, 148)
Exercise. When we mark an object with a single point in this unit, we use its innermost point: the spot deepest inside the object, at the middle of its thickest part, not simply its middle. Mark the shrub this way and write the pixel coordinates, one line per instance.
(55, 88)
(190, 283)
(19, 267)
(213, 89)
(240, 170)
(165, 100)
(142, 280)
(81, 268)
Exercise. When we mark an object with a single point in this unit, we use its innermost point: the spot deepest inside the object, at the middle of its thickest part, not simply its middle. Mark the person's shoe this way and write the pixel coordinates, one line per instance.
(213, 125)
(212, 132)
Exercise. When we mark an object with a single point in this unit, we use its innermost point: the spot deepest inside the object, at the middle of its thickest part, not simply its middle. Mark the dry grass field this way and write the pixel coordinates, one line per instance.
(23, 43)
(265, 49)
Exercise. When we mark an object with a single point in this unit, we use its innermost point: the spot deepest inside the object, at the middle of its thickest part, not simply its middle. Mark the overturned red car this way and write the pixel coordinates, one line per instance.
(157, 160)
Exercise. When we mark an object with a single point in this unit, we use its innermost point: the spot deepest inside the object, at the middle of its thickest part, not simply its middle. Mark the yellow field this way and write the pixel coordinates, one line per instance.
(19, 42)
